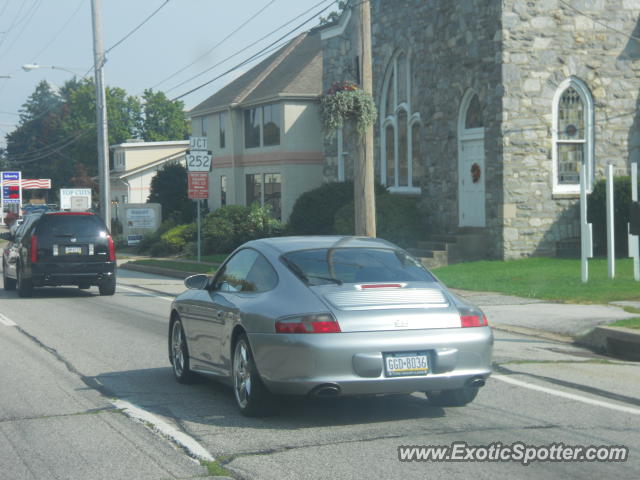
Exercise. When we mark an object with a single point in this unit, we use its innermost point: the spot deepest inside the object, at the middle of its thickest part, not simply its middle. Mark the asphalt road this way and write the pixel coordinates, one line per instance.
(73, 356)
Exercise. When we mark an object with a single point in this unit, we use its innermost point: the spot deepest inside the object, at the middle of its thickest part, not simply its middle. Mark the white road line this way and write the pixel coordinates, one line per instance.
(7, 322)
(189, 443)
(567, 395)
(148, 294)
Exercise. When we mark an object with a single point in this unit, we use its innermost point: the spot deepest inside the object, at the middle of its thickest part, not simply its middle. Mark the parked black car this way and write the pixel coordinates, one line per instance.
(60, 248)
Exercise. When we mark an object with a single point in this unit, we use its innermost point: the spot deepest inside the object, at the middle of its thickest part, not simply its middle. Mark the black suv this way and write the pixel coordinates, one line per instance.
(60, 248)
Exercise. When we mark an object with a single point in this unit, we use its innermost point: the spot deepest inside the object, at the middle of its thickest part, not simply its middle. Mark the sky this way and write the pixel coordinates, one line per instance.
(175, 45)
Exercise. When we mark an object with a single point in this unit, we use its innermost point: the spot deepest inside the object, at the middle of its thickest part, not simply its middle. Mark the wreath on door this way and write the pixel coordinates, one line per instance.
(475, 172)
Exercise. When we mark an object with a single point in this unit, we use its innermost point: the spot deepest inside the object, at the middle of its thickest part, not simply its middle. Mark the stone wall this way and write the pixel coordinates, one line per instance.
(513, 54)
(454, 47)
(544, 43)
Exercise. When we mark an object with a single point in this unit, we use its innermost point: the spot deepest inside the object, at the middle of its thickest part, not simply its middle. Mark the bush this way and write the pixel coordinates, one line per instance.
(398, 220)
(314, 212)
(229, 227)
(597, 211)
(151, 239)
(177, 238)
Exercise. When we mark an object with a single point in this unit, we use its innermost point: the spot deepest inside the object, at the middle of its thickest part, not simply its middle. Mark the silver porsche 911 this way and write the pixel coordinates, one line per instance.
(328, 316)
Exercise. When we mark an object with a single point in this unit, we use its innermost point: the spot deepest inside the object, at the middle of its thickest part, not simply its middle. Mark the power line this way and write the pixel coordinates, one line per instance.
(30, 14)
(595, 20)
(13, 24)
(6, 4)
(128, 35)
(62, 29)
(236, 30)
(137, 28)
(254, 56)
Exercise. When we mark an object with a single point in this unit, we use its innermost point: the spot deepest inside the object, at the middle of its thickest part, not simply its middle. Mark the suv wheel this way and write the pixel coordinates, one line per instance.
(25, 285)
(108, 286)
(9, 283)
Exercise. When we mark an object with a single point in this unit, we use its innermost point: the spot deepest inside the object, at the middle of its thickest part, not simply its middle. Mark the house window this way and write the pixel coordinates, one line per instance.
(262, 126)
(271, 124)
(572, 136)
(252, 127)
(222, 119)
(273, 193)
(204, 125)
(265, 189)
(400, 130)
(223, 190)
(253, 189)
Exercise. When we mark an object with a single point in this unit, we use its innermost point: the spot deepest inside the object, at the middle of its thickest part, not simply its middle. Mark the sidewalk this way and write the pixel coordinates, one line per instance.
(574, 323)
(585, 325)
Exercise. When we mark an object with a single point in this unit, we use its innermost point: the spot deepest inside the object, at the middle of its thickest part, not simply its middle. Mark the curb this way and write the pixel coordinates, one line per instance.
(166, 272)
(618, 341)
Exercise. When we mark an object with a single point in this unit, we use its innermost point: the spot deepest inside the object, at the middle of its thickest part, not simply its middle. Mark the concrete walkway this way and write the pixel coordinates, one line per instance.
(575, 323)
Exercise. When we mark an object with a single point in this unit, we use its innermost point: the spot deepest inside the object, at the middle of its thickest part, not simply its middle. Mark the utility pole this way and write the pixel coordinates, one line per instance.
(363, 181)
(101, 113)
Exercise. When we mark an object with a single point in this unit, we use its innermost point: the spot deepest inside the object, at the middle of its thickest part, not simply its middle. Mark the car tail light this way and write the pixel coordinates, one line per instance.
(112, 249)
(475, 320)
(34, 249)
(321, 323)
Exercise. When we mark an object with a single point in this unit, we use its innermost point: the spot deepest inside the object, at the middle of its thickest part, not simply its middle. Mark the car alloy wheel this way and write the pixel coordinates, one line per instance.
(179, 353)
(252, 397)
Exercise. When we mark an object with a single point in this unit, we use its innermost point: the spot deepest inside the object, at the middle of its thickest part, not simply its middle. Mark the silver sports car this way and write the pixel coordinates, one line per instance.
(328, 316)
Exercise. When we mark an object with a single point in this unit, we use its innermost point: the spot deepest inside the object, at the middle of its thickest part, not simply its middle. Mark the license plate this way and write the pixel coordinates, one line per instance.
(73, 250)
(404, 364)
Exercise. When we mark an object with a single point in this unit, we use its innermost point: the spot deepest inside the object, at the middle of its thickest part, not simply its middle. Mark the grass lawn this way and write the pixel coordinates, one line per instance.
(182, 266)
(627, 323)
(213, 258)
(545, 278)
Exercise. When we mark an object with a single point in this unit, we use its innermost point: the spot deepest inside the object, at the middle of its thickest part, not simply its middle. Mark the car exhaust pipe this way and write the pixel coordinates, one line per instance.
(476, 382)
(325, 390)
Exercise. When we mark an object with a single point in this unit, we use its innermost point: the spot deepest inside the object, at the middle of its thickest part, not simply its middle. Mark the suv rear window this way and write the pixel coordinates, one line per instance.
(72, 225)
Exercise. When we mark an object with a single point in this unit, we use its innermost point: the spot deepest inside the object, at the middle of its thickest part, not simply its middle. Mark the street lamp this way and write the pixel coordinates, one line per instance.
(27, 67)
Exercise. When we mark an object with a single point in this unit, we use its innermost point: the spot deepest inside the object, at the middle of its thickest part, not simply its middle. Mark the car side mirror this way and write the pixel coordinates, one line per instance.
(196, 282)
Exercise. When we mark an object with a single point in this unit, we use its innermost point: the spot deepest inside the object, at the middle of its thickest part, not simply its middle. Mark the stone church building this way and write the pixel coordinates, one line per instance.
(487, 108)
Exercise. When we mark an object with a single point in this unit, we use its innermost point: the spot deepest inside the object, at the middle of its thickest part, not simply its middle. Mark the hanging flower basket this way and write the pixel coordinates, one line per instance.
(344, 102)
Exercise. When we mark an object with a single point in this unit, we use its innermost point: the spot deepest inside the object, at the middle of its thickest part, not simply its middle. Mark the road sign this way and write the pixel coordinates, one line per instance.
(198, 185)
(198, 161)
(198, 143)
(11, 191)
(75, 198)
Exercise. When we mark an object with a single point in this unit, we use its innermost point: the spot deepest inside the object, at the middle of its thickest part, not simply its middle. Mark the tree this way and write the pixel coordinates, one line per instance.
(57, 129)
(169, 189)
(163, 119)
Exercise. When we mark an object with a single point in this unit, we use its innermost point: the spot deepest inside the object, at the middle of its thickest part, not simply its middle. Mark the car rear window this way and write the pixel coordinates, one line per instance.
(355, 265)
(72, 225)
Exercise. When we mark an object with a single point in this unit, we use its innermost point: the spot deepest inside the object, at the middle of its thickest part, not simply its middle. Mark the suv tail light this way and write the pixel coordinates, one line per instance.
(476, 320)
(112, 249)
(321, 323)
(34, 249)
